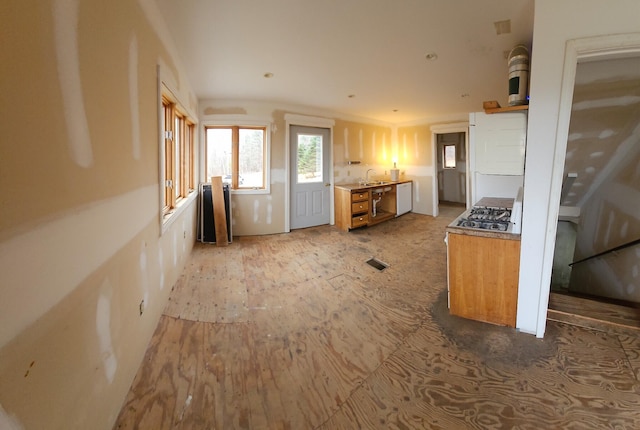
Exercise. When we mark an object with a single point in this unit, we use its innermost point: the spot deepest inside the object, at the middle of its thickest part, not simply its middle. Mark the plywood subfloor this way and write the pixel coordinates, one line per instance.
(296, 331)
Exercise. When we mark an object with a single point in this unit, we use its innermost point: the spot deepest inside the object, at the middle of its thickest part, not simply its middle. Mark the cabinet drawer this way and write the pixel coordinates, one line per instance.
(359, 207)
(359, 196)
(359, 220)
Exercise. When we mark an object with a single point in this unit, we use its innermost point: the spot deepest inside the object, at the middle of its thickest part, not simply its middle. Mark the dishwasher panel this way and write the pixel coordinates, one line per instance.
(404, 200)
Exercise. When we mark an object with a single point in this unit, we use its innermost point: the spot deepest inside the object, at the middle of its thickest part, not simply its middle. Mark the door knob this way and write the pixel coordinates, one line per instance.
(327, 185)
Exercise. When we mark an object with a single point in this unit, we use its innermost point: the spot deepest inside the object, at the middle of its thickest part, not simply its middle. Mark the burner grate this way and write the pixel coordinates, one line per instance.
(487, 218)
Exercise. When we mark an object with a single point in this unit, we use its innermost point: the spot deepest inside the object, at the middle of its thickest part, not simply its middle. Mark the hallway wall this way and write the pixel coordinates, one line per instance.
(81, 243)
(610, 218)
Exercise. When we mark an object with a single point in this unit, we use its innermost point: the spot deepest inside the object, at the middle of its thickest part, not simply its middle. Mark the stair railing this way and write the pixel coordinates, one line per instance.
(600, 254)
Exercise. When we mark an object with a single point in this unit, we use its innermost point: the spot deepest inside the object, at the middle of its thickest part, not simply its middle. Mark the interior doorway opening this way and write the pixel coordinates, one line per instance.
(452, 169)
(451, 187)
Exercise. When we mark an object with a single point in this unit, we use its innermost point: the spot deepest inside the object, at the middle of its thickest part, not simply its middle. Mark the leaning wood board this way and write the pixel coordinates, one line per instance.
(219, 213)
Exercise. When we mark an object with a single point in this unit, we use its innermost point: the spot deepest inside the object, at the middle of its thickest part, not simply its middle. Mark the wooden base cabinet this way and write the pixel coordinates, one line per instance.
(483, 278)
(355, 207)
(359, 208)
(352, 208)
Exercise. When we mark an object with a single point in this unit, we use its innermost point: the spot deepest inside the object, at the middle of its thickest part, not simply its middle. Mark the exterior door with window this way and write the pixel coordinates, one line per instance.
(310, 182)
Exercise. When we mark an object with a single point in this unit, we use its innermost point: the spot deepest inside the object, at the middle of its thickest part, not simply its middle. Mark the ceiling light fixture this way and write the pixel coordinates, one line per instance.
(431, 56)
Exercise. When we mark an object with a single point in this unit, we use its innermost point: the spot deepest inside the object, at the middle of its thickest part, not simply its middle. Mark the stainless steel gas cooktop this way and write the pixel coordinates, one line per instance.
(485, 218)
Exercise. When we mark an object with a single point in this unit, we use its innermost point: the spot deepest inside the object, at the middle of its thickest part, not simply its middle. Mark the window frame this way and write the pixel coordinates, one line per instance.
(186, 151)
(177, 155)
(247, 124)
(444, 155)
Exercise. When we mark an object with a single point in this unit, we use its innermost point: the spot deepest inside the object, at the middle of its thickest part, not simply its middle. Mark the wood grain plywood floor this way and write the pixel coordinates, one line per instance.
(296, 331)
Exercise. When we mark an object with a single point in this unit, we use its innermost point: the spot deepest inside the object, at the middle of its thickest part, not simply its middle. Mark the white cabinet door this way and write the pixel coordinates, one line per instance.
(499, 142)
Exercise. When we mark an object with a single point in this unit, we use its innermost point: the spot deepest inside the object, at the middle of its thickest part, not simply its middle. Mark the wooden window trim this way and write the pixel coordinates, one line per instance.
(168, 108)
(235, 150)
(190, 159)
(174, 194)
(235, 158)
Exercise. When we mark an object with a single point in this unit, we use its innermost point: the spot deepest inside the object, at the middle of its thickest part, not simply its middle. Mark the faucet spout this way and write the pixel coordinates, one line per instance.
(367, 175)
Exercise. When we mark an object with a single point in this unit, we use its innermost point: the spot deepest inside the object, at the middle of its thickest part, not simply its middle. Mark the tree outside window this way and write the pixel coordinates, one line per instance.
(309, 158)
(237, 154)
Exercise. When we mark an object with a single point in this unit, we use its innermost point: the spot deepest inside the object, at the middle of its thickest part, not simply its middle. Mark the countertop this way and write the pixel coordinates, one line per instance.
(356, 186)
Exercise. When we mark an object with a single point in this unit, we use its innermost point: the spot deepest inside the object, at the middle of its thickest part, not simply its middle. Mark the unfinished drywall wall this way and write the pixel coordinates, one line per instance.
(374, 145)
(416, 155)
(563, 256)
(82, 251)
(261, 211)
(609, 219)
(603, 151)
(605, 109)
(369, 145)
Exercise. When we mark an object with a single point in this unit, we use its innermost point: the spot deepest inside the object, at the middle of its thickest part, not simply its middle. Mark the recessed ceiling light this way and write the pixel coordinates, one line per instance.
(431, 56)
(268, 75)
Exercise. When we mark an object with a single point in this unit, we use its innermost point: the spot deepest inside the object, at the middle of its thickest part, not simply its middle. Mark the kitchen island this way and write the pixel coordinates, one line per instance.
(482, 271)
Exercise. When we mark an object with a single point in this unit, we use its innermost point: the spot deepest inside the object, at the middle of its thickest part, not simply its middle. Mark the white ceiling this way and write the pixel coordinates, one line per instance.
(320, 52)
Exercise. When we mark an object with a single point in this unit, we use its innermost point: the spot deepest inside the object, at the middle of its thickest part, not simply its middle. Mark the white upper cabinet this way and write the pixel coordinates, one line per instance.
(498, 141)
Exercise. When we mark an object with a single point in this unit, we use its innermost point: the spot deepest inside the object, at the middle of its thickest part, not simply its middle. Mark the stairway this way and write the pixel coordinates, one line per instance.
(584, 312)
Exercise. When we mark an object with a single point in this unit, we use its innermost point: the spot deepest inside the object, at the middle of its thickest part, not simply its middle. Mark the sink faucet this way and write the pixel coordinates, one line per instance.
(366, 179)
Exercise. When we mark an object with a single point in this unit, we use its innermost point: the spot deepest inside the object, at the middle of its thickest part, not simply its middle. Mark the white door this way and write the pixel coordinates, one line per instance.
(310, 185)
(452, 179)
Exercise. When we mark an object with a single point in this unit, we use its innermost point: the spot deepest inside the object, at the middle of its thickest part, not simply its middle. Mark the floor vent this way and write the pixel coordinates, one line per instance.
(377, 264)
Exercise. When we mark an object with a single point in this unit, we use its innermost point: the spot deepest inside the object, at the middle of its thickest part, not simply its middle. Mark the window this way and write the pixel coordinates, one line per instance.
(449, 156)
(238, 154)
(179, 179)
(309, 158)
